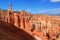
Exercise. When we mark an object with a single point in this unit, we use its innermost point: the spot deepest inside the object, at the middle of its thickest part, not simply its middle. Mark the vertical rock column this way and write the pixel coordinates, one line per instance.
(16, 22)
(8, 17)
(26, 24)
(0, 14)
(21, 20)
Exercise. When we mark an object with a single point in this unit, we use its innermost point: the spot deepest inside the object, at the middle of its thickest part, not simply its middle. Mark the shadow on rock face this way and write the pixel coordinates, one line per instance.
(15, 32)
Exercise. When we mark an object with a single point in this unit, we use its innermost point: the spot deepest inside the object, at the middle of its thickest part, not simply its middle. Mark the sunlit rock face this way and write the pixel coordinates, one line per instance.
(35, 24)
(16, 22)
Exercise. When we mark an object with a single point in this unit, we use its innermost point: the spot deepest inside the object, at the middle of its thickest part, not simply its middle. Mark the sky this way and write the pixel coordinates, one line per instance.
(33, 6)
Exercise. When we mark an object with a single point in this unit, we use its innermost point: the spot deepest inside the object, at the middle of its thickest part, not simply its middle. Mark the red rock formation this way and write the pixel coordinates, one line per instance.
(34, 24)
